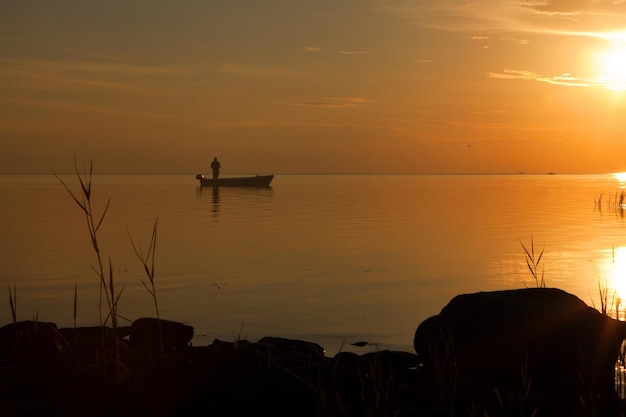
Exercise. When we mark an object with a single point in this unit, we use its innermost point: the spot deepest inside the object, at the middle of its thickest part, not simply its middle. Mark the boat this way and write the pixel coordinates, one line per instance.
(256, 181)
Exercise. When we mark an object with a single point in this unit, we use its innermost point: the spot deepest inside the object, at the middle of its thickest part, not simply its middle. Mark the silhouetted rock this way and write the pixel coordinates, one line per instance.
(78, 334)
(147, 334)
(219, 381)
(92, 347)
(299, 356)
(283, 345)
(34, 344)
(536, 352)
(522, 341)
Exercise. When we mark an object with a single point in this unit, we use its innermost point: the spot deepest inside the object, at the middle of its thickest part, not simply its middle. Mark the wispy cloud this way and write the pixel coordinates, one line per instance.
(257, 71)
(513, 39)
(333, 102)
(62, 75)
(564, 79)
(487, 40)
(316, 49)
(353, 52)
(90, 67)
(581, 17)
(57, 105)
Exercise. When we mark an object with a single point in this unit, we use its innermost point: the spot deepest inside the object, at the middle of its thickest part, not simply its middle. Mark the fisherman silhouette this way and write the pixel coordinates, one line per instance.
(215, 166)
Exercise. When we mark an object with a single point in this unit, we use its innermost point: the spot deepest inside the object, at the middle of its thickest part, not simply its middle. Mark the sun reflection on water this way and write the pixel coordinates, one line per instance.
(621, 178)
(613, 270)
(614, 200)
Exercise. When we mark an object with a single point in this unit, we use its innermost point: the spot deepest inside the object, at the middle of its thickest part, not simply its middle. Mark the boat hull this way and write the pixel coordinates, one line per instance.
(256, 181)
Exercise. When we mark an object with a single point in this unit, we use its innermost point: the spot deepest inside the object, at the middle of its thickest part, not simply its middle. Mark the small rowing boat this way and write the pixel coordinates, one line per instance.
(256, 181)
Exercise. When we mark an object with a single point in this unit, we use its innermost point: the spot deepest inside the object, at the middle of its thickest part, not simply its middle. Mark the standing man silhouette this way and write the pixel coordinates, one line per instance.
(215, 166)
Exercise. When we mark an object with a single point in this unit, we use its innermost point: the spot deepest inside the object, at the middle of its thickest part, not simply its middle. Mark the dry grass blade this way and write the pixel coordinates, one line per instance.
(147, 288)
(145, 261)
(606, 303)
(13, 303)
(113, 296)
(532, 262)
(152, 250)
(86, 182)
(106, 208)
(540, 256)
(75, 303)
(82, 205)
(107, 288)
(148, 265)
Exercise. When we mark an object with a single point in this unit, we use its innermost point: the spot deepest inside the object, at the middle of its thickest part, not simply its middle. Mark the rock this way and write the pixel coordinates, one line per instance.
(147, 333)
(221, 381)
(300, 357)
(542, 338)
(350, 382)
(98, 350)
(32, 343)
(280, 345)
(78, 334)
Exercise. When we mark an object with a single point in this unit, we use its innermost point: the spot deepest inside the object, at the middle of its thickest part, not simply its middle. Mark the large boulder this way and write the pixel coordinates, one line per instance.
(539, 337)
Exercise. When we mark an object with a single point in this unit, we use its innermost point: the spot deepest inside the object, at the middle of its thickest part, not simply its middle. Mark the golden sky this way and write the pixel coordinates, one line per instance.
(325, 86)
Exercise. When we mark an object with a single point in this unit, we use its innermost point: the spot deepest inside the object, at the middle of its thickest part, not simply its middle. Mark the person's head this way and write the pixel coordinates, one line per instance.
(215, 158)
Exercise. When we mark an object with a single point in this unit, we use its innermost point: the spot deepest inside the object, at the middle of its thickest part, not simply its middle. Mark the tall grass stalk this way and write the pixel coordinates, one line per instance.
(533, 261)
(75, 303)
(597, 202)
(615, 201)
(147, 261)
(13, 303)
(107, 291)
(605, 304)
(608, 303)
(237, 339)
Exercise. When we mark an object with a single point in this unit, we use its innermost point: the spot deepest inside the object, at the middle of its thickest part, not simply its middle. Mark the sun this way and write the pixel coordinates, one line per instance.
(611, 65)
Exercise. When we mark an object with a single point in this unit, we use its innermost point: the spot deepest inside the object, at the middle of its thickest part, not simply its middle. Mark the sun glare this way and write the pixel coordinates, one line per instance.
(611, 66)
(616, 268)
(620, 177)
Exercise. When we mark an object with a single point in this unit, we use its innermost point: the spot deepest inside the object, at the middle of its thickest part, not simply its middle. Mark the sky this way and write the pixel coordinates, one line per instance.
(302, 86)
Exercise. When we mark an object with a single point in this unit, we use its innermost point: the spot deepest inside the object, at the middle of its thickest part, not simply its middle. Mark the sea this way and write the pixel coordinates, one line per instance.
(351, 262)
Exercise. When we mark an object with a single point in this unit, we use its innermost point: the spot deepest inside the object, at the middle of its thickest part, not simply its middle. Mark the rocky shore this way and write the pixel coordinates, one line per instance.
(531, 352)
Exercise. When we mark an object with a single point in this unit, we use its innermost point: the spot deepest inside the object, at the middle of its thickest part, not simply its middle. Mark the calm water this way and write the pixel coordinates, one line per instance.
(330, 259)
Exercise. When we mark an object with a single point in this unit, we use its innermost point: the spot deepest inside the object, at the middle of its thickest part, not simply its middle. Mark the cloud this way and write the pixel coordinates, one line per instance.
(513, 39)
(90, 67)
(70, 75)
(574, 17)
(248, 70)
(564, 79)
(333, 102)
(353, 52)
(316, 49)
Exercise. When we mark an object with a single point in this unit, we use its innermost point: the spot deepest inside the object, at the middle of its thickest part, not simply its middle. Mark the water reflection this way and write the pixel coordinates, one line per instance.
(214, 192)
(621, 178)
(221, 197)
(613, 201)
(613, 289)
(294, 256)
(216, 200)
